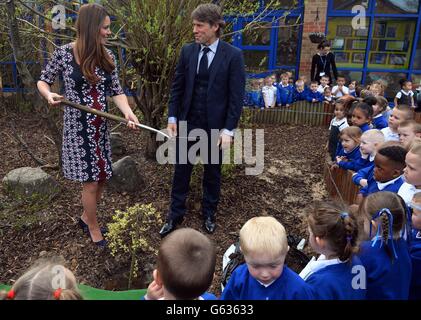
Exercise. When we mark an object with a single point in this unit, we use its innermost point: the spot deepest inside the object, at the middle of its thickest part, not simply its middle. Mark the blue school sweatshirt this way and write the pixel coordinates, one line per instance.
(335, 282)
(315, 95)
(242, 286)
(380, 122)
(386, 280)
(284, 94)
(415, 252)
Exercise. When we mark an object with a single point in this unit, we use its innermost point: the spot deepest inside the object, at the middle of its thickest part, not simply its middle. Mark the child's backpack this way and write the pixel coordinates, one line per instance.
(295, 259)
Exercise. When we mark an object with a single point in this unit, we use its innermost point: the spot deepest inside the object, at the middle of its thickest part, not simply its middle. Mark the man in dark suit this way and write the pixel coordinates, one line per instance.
(207, 93)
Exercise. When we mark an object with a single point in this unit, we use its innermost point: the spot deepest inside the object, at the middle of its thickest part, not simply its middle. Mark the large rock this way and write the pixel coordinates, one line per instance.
(126, 177)
(117, 144)
(31, 182)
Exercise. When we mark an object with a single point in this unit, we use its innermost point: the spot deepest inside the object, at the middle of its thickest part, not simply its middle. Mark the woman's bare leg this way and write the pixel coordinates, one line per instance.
(89, 202)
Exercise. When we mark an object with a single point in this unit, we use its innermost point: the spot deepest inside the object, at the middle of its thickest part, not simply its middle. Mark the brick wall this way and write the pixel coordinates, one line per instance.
(308, 49)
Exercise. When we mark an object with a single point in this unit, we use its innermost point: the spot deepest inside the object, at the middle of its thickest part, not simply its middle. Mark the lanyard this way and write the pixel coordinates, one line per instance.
(324, 61)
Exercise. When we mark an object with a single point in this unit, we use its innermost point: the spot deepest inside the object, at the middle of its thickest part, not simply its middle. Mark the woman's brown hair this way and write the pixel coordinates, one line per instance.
(338, 226)
(90, 51)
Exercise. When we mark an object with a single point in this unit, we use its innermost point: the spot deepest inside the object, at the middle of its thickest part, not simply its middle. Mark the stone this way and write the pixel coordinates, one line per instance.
(30, 182)
(117, 144)
(126, 177)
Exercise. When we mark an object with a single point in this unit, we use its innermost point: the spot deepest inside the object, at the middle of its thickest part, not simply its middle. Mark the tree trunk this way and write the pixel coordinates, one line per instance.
(27, 79)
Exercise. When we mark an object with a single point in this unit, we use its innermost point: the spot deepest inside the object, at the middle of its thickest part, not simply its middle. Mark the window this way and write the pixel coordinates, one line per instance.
(349, 45)
(256, 61)
(346, 5)
(257, 34)
(288, 33)
(397, 6)
(351, 75)
(391, 45)
(417, 58)
(391, 81)
(385, 49)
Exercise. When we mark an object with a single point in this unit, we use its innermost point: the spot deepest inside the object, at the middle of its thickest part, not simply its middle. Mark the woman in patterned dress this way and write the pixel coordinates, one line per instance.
(89, 74)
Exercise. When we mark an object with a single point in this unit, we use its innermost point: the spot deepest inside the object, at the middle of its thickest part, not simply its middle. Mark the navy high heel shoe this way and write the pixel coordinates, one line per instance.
(85, 227)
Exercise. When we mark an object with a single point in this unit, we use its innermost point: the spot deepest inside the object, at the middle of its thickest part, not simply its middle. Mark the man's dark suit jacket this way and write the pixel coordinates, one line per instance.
(226, 85)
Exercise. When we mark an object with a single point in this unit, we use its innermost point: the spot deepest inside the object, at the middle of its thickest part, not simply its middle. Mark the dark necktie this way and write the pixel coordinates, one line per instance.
(203, 66)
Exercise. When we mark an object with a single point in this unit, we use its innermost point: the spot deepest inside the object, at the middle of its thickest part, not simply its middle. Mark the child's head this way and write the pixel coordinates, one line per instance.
(273, 77)
(370, 141)
(333, 231)
(416, 211)
(289, 73)
(255, 84)
(371, 213)
(377, 88)
(46, 280)
(380, 106)
(186, 264)
(314, 86)
(299, 85)
(261, 82)
(327, 91)
(291, 80)
(362, 114)
(350, 138)
(409, 130)
(340, 111)
(352, 85)
(341, 80)
(406, 85)
(269, 80)
(389, 162)
(324, 81)
(399, 114)
(264, 244)
(304, 78)
(413, 164)
(284, 79)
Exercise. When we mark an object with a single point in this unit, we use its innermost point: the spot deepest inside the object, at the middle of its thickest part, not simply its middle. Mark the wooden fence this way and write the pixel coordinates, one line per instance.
(301, 112)
(339, 184)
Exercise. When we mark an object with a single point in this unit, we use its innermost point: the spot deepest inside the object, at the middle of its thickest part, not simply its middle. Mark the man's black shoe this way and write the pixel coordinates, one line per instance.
(209, 225)
(167, 228)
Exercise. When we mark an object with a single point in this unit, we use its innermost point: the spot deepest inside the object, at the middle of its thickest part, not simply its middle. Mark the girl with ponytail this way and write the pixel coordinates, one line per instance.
(384, 251)
(46, 280)
(334, 235)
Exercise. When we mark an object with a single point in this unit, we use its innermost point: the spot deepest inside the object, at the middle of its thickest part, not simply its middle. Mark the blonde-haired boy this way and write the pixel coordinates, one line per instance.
(264, 276)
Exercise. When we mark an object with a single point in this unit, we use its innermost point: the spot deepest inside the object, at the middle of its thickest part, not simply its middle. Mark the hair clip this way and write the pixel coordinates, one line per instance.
(11, 295)
(57, 294)
(344, 215)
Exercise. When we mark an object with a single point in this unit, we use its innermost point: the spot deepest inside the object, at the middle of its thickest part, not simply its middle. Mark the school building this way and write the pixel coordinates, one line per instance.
(371, 39)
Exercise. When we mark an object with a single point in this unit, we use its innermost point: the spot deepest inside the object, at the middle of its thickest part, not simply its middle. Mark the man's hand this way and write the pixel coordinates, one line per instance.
(224, 141)
(172, 129)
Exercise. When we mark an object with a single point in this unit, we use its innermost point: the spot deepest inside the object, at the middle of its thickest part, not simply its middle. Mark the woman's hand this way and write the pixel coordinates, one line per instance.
(54, 99)
(131, 117)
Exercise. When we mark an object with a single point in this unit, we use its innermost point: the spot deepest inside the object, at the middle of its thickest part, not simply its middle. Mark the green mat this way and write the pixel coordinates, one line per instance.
(90, 293)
